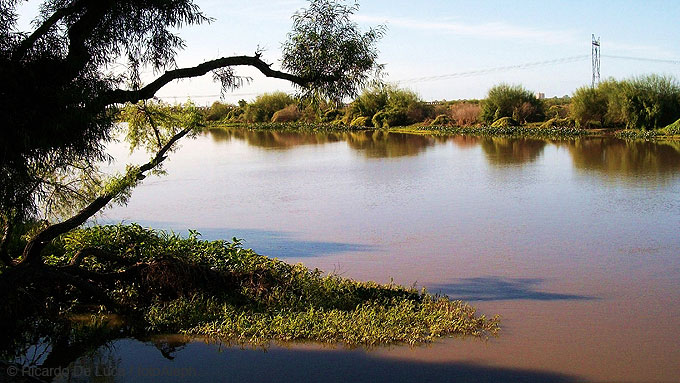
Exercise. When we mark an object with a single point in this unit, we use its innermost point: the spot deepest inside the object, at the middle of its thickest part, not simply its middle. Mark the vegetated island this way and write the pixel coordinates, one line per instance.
(646, 107)
(161, 283)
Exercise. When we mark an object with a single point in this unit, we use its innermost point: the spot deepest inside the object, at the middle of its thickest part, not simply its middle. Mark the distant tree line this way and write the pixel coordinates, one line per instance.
(647, 102)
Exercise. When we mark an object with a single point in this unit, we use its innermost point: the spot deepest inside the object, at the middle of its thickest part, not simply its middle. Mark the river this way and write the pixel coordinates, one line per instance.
(573, 242)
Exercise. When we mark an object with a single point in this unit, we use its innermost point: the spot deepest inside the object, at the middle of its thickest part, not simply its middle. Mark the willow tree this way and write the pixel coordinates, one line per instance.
(59, 101)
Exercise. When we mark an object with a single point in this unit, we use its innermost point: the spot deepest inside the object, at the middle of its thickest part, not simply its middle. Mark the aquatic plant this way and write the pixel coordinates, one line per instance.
(220, 289)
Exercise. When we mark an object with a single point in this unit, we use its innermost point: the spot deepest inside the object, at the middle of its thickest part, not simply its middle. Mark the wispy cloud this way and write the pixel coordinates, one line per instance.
(641, 50)
(492, 30)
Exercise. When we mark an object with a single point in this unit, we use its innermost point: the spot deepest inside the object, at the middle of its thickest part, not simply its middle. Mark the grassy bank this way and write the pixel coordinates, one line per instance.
(219, 289)
(527, 130)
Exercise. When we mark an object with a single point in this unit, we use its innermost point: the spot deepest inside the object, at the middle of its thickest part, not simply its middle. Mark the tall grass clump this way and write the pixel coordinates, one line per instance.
(386, 106)
(511, 101)
(264, 106)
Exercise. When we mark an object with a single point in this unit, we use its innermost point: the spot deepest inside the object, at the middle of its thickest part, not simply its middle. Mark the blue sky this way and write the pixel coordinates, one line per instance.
(431, 38)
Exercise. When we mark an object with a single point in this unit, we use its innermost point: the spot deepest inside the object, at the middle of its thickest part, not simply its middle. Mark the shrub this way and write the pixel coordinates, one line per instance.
(331, 115)
(396, 116)
(310, 114)
(398, 106)
(361, 122)
(557, 122)
(647, 102)
(442, 119)
(589, 105)
(650, 102)
(218, 111)
(465, 114)
(558, 111)
(369, 102)
(672, 129)
(265, 105)
(511, 101)
(287, 114)
(504, 122)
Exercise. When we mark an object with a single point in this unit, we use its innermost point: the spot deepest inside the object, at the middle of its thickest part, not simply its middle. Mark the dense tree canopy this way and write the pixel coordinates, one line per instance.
(59, 100)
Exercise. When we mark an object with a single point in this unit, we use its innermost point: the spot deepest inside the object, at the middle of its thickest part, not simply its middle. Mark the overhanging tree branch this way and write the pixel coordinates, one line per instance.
(121, 96)
(34, 247)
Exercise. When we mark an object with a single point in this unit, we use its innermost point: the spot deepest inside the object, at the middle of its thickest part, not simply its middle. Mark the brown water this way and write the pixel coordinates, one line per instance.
(574, 242)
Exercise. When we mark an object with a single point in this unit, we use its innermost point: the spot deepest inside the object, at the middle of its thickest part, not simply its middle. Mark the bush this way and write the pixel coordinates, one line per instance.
(504, 122)
(361, 122)
(511, 101)
(369, 102)
(672, 129)
(331, 115)
(589, 105)
(265, 105)
(442, 119)
(218, 111)
(647, 102)
(465, 114)
(287, 114)
(396, 116)
(557, 122)
(398, 106)
(650, 102)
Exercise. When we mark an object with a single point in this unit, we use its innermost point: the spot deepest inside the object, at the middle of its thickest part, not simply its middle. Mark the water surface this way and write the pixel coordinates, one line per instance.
(574, 242)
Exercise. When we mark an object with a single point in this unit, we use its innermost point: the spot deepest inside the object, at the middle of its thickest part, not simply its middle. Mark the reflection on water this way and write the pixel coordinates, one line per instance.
(606, 155)
(510, 151)
(373, 144)
(624, 158)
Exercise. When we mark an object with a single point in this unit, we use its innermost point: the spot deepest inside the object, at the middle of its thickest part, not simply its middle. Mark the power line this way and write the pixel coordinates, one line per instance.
(479, 72)
(666, 61)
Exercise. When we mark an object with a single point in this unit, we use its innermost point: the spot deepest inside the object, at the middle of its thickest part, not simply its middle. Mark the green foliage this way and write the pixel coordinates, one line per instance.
(589, 105)
(264, 298)
(650, 102)
(54, 99)
(511, 101)
(331, 115)
(219, 111)
(441, 119)
(387, 106)
(328, 48)
(552, 131)
(504, 122)
(151, 124)
(369, 102)
(672, 129)
(360, 122)
(370, 323)
(557, 122)
(646, 102)
(265, 105)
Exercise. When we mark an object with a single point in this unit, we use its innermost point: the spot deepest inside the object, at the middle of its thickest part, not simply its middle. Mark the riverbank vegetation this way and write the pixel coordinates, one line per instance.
(161, 282)
(640, 107)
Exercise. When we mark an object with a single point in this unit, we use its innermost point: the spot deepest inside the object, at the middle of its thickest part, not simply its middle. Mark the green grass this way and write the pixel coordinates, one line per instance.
(252, 298)
(667, 132)
(527, 130)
